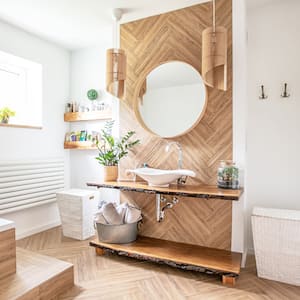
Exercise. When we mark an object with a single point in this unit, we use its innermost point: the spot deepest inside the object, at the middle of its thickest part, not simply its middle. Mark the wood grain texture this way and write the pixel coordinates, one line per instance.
(229, 280)
(216, 260)
(112, 277)
(197, 191)
(88, 116)
(81, 145)
(214, 57)
(148, 43)
(7, 253)
(38, 277)
(115, 71)
(110, 172)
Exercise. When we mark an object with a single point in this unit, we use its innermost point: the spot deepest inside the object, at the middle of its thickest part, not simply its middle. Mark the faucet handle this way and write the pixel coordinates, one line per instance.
(141, 165)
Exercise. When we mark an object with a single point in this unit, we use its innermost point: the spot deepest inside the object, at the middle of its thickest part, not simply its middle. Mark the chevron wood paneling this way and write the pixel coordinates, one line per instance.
(148, 43)
(113, 277)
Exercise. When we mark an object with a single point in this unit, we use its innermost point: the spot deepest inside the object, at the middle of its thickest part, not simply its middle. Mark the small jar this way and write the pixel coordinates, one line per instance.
(228, 175)
(68, 107)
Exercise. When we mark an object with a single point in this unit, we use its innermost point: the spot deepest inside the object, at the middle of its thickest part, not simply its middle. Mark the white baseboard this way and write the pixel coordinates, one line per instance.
(37, 229)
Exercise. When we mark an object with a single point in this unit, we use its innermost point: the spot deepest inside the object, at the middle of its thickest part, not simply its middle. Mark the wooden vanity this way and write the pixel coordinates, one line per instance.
(181, 255)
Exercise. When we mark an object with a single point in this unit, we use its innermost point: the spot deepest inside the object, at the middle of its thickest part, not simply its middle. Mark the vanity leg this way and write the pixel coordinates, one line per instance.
(228, 280)
(99, 251)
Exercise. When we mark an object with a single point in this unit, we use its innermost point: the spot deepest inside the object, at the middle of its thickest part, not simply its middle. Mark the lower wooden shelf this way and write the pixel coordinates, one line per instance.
(180, 255)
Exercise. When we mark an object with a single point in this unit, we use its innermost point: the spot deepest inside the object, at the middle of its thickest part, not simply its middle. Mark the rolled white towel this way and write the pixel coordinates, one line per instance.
(111, 214)
(99, 218)
(122, 209)
(133, 214)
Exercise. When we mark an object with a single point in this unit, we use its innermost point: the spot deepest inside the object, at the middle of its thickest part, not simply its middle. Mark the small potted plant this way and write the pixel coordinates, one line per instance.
(112, 150)
(228, 175)
(5, 114)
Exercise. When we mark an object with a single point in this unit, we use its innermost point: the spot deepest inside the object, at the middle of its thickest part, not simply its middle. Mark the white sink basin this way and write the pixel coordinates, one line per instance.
(161, 178)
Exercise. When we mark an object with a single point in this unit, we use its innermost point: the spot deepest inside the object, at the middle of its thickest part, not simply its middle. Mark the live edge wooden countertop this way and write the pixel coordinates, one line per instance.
(197, 191)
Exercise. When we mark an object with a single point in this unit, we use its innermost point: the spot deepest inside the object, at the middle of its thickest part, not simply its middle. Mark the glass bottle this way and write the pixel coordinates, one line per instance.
(228, 175)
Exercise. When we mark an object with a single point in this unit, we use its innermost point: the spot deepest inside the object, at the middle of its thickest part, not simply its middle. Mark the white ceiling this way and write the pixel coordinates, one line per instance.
(77, 24)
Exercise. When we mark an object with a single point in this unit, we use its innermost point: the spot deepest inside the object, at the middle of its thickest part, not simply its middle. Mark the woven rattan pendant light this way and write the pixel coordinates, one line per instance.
(214, 54)
(116, 63)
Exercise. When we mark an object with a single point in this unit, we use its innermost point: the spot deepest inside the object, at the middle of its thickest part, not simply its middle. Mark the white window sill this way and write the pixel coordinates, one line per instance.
(20, 126)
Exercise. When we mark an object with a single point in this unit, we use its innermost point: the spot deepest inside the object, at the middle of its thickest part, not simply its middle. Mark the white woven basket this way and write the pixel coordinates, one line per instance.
(77, 208)
(276, 235)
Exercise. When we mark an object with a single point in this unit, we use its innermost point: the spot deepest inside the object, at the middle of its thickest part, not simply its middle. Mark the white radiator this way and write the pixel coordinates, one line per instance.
(24, 184)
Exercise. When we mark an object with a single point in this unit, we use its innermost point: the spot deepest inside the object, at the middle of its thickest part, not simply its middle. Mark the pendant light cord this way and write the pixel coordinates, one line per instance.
(117, 15)
(115, 39)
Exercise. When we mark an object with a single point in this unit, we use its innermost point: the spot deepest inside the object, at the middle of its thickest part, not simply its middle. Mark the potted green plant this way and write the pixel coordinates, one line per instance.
(5, 114)
(112, 150)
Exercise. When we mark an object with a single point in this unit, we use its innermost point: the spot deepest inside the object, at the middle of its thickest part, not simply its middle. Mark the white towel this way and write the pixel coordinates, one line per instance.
(122, 209)
(99, 218)
(133, 214)
(117, 214)
(111, 215)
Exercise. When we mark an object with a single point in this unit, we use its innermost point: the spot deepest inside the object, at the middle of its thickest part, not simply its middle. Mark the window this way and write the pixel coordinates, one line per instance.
(21, 89)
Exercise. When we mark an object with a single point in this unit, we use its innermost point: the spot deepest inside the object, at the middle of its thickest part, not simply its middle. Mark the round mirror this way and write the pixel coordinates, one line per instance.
(171, 100)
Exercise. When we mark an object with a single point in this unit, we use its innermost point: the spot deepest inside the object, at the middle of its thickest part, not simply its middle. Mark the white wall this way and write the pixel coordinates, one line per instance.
(273, 144)
(19, 143)
(88, 68)
(239, 121)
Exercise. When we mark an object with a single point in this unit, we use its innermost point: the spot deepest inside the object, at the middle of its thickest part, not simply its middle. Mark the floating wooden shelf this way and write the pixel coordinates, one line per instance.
(197, 191)
(88, 116)
(180, 255)
(80, 145)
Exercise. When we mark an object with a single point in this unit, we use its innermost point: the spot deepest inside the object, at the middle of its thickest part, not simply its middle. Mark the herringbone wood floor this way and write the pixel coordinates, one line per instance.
(112, 277)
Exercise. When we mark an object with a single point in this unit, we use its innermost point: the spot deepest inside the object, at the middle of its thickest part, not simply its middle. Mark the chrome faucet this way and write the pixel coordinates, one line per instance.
(182, 179)
(178, 146)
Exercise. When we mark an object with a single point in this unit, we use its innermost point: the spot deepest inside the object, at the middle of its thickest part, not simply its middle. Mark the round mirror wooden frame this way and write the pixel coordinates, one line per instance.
(141, 89)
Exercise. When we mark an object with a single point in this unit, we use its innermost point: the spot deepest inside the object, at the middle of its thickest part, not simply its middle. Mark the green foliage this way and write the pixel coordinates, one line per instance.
(6, 112)
(111, 150)
(229, 173)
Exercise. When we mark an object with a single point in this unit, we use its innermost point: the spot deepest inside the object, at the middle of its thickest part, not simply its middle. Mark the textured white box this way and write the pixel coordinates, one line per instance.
(276, 236)
(77, 208)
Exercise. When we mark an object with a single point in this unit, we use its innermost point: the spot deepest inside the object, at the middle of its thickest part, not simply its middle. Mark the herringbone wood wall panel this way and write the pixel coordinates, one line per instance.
(148, 43)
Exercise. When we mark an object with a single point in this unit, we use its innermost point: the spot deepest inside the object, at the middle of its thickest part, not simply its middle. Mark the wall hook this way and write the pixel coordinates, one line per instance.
(285, 93)
(263, 95)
